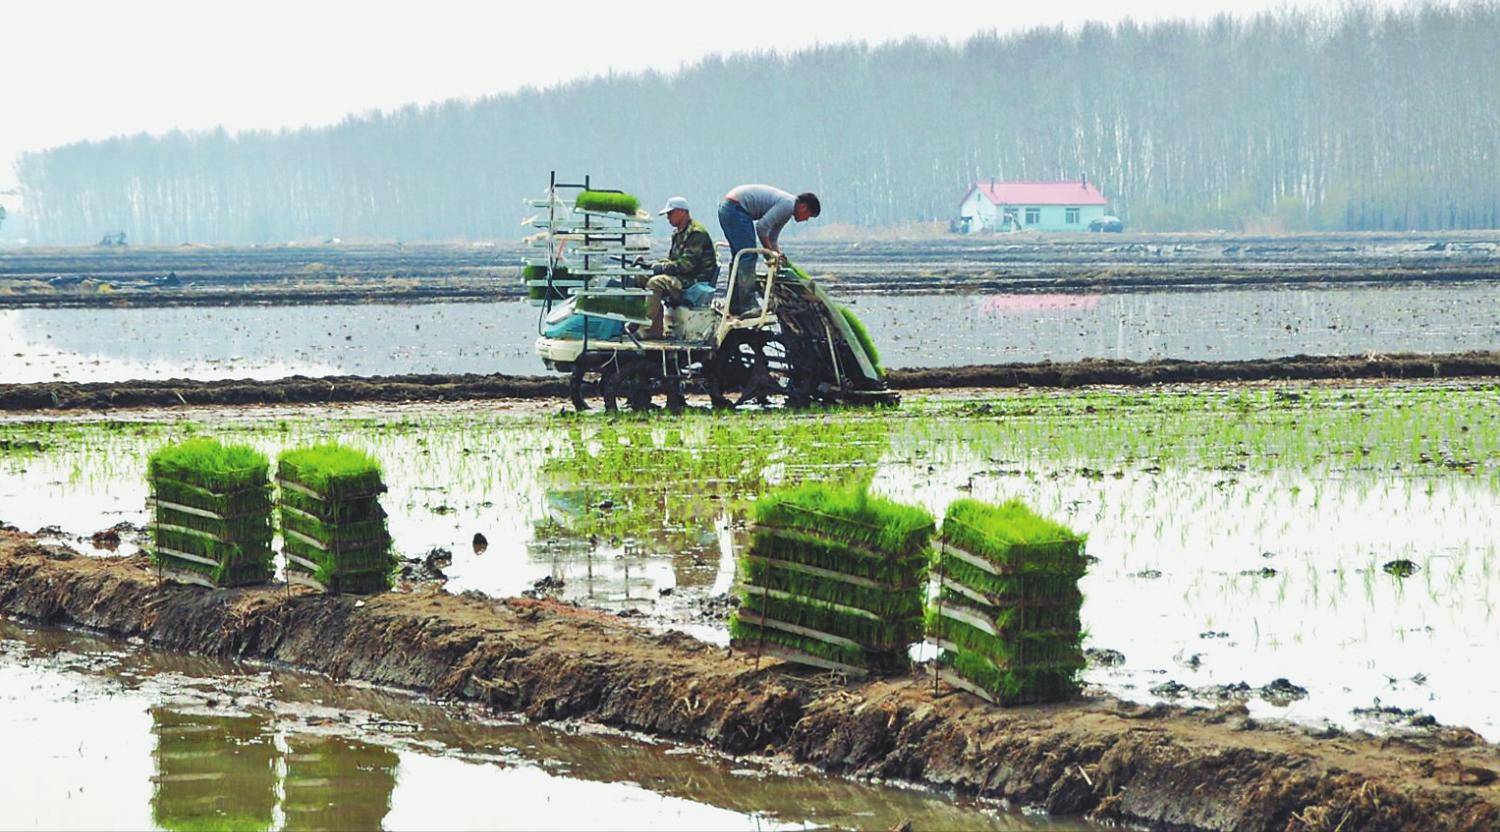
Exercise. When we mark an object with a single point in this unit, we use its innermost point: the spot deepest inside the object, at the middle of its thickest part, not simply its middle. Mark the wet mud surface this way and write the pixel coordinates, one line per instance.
(445, 387)
(279, 275)
(1163, 766)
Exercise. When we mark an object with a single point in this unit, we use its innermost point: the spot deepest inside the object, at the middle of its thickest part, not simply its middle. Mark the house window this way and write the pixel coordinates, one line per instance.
(1033, 216)
(1070, 216)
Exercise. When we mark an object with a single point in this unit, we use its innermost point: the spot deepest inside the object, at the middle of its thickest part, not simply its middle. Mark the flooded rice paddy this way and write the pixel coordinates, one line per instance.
(116, 736)
(1325, 554)
(116, 344)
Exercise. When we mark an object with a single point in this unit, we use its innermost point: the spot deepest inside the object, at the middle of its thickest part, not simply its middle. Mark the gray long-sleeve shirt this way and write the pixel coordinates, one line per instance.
(770, 207)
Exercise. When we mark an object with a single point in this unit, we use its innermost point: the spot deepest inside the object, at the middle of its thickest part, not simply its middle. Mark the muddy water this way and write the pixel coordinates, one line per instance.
(104, 735)
(911, 331)
(1241, 537)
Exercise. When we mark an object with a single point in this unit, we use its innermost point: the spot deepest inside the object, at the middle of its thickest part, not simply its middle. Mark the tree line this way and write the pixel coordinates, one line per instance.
(1358, 119)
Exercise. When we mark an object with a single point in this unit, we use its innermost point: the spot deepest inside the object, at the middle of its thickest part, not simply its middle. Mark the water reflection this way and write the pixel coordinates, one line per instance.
(912, 330)
(213, 771)
(217, 771)
(224, 747)
(337, 783)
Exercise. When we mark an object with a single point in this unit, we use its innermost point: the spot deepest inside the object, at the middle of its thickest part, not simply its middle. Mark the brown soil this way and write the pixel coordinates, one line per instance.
(435, 387)
(1166, 767)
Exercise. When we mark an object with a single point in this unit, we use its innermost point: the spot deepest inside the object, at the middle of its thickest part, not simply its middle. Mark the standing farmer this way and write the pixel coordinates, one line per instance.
(752, 216)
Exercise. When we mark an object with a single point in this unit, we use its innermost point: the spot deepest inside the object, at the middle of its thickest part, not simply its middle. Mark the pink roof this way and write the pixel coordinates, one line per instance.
(1040, 193)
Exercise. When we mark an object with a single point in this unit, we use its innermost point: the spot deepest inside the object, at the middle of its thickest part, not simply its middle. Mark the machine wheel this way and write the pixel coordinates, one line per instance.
(597, 384)
(642, 378)
(750, 367)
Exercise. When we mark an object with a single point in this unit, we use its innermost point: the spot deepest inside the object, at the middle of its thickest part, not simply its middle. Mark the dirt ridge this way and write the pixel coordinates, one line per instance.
(457, 387)
(1166, 767)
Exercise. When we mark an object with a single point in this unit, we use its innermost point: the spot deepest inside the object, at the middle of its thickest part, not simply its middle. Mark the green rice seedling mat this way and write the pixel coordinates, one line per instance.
(334, 537)
(1055, 649)
(359, 583)
(1011, 538)
(359, 560)
(999, 590)
(1008, 620)
(344, 510)
(607, 202)
(849, 515)
(211, 513)
(209, 465)
(628, 305)
(212, 575)
(193, 499)
(1013, 686)
(330, 472)
(751, 633)
(869, 630)
(815, 584)
(794, 546)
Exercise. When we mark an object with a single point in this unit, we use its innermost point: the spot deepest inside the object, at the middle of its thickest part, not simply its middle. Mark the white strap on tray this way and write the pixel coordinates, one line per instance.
(803, 599)
(750, 617)
(820, 572)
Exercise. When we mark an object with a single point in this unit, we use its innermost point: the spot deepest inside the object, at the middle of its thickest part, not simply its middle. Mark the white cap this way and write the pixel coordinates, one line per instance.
(673, 204)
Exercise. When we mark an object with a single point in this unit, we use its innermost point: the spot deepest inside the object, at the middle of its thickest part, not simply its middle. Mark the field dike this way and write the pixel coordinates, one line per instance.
(430, 387)
(1165, 767)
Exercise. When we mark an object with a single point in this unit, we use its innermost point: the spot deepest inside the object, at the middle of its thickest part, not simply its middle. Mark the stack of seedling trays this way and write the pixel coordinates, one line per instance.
(591, 244)
(833, 578)
(1006, 617)
(211, 514)
(332, 526)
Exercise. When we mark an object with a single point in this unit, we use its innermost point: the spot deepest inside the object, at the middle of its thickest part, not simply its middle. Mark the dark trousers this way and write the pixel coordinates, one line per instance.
(739, 230)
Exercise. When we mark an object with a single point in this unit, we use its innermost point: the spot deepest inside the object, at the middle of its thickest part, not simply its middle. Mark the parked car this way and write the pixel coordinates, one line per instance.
(1107, 223)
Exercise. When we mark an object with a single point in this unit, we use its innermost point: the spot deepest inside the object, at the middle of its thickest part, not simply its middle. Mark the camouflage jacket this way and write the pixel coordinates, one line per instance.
(691, 258)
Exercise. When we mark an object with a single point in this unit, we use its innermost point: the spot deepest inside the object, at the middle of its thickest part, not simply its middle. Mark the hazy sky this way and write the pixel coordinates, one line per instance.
(73, 70)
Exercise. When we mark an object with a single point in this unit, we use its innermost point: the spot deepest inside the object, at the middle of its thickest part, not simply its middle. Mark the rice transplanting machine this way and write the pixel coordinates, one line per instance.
(798, 349)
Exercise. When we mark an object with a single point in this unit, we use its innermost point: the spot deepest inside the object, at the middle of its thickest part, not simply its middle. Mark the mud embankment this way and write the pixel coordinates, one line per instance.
(1165, 767)
(437, 387)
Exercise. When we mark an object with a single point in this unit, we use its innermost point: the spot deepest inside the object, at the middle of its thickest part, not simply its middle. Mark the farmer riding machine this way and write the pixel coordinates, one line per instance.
(797, 349)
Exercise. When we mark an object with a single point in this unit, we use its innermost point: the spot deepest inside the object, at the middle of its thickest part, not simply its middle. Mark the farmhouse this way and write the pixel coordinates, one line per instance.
(1030, 206)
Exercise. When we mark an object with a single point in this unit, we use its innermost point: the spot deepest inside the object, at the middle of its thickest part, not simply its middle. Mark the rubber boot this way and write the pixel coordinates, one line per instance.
(654, 332)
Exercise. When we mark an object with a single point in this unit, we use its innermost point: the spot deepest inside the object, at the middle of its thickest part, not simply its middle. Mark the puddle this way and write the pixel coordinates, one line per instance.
(119, 737)
(259, 342)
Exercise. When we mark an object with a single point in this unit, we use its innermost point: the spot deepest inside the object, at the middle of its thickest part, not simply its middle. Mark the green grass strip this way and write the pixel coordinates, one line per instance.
(333, 471)
(862, 334)
(874, 633)
(849, 514)
(210, 465)
(1011, 535)
(878, 601)
(607, 202)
